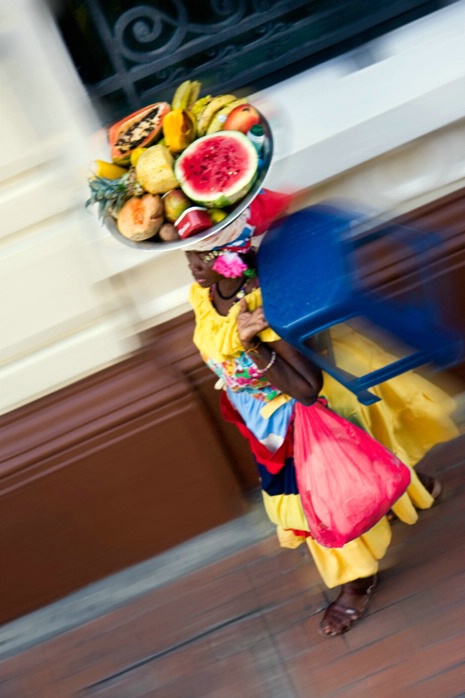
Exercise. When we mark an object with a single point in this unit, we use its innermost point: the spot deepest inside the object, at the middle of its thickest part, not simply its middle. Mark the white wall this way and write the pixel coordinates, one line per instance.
(57, 321)
(389, 136)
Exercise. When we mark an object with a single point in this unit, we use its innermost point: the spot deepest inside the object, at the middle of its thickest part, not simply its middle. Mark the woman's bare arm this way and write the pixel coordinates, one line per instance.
(290, 372)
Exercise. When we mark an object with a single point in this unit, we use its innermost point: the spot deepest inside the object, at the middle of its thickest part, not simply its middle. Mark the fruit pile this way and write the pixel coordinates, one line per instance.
(178, 168)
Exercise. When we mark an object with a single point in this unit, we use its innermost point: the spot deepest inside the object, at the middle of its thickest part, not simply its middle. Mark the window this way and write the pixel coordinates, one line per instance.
(129, 54)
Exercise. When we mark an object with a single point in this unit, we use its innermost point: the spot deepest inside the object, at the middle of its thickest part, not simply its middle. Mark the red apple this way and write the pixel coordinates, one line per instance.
(242, 118)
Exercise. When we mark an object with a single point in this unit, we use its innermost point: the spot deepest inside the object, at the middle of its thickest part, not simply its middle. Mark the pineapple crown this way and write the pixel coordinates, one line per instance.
(111, 194)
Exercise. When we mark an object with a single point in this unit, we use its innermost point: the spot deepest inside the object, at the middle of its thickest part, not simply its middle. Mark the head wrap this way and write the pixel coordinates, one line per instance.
(234, 237)
(253, 221)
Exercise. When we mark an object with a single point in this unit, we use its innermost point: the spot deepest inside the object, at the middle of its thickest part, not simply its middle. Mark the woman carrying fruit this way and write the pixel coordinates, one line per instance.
(262, 379)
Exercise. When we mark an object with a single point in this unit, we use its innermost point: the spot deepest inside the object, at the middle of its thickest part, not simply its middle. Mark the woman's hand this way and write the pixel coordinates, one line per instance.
(250, 323)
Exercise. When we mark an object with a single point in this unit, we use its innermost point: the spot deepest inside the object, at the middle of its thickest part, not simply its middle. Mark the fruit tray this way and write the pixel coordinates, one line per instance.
(210, 164)
(237, 210)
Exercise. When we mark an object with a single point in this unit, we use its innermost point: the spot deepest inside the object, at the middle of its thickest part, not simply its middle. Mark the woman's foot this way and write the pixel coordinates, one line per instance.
(350, 606)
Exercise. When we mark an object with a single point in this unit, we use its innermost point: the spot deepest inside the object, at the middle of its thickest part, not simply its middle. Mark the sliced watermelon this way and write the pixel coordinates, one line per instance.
(217, 170)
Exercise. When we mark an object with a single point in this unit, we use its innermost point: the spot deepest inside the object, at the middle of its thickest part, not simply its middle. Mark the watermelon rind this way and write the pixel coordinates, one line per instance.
(198, 161)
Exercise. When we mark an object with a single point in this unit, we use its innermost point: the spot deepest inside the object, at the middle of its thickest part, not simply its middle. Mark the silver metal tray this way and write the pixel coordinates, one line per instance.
(265, 157)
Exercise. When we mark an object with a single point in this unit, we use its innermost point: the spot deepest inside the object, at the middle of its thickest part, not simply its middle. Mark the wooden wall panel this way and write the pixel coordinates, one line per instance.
(171, 346)
(105, 475)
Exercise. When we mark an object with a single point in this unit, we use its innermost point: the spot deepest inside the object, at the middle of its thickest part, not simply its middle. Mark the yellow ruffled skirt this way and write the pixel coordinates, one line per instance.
(412, 416)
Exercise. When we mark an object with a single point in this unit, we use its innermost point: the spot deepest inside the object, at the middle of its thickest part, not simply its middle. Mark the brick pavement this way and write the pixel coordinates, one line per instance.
(244, 626)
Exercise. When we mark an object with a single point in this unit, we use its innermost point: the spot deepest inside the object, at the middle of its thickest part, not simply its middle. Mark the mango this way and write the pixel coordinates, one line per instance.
(108, 170)
(175, 202)
(178, 130)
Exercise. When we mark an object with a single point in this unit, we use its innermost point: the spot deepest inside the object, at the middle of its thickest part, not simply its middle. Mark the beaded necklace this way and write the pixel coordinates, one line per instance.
(228, 297)
(239, 293)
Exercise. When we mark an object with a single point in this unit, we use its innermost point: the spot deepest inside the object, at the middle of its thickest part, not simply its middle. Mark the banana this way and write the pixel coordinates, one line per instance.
(199, 105)
(108, 170)
(194, 92)
(210, 110)
(185, 94)
(217, 123)
(180, 96)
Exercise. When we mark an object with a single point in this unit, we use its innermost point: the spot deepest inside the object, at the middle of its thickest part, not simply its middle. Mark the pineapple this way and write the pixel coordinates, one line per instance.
(154, 170)
(111, 194)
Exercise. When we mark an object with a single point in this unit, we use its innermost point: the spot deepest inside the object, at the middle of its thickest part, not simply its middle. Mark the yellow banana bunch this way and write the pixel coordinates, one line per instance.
(185, 94)
(217, 122)
(198, 106)
(209, 111)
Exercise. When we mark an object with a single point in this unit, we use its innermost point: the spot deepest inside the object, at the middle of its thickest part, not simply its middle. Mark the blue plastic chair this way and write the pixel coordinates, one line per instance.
(310, 281)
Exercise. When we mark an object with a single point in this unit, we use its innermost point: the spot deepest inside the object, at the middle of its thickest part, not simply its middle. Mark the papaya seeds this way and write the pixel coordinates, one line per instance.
(138, 130)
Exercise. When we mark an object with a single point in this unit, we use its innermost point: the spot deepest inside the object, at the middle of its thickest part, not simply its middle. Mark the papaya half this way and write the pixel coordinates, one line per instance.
(138, 130)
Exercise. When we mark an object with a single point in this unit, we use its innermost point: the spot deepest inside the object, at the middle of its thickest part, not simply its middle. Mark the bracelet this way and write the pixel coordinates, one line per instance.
(254, 349)
(270, 363)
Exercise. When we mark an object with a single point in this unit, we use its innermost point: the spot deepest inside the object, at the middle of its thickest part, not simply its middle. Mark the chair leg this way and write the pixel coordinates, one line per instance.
(347, 379)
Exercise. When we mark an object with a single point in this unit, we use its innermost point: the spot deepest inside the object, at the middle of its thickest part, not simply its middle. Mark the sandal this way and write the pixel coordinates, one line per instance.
(430, 484)
(350, 606)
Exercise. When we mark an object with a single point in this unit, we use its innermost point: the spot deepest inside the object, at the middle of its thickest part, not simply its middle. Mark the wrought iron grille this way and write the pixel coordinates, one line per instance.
(131, 53)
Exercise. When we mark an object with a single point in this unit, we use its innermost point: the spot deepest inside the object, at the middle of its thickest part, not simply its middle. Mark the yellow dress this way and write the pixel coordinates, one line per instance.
(412, 416)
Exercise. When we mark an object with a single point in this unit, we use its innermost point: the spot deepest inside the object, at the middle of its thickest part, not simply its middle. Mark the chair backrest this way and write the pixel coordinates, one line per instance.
(303, 269)
(307, 264)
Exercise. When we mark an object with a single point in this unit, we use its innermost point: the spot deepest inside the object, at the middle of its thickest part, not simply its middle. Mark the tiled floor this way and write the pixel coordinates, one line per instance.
(245, 626)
